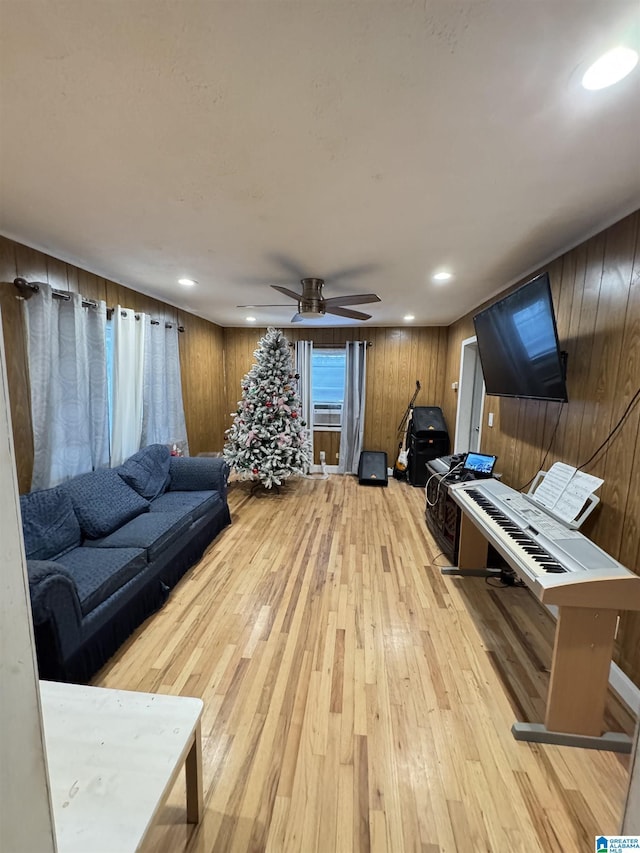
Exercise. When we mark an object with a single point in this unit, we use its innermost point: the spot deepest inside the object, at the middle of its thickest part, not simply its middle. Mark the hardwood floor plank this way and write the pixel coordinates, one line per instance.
(355, 698)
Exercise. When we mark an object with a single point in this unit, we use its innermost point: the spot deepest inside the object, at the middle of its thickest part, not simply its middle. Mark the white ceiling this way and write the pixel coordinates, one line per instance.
(247, 143)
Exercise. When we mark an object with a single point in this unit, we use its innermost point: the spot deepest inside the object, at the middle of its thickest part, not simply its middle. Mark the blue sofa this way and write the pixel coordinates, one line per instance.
(104, 550)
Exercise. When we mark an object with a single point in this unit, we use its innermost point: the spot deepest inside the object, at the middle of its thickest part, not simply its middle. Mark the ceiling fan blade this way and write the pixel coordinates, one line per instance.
(354, 299)
(297, 318)
(347, 312)
(286, 292)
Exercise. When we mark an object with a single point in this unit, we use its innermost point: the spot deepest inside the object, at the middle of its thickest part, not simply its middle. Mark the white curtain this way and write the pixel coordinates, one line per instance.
(163, 410)
(127, 383)
(304, 367)
(68, 378)
(352, 433)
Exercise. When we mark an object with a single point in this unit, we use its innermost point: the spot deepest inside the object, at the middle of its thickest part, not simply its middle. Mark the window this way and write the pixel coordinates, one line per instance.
(328, 366)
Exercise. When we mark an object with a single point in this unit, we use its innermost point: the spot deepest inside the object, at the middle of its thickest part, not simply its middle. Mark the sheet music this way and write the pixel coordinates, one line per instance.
(565, 490)
(554, 483)
(575, 495)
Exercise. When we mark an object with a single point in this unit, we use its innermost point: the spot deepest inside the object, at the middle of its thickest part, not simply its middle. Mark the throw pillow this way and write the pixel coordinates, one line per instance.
(49, 525)
(147, 471)
(103, 502)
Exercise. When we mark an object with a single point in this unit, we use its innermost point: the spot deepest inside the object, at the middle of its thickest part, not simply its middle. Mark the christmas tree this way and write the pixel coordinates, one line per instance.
(269, 441)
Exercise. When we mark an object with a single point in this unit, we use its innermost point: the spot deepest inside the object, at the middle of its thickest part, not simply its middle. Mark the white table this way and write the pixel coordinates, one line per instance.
(113, 756)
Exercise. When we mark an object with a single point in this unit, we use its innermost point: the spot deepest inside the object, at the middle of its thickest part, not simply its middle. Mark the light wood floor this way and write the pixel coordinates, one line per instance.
(356, 699)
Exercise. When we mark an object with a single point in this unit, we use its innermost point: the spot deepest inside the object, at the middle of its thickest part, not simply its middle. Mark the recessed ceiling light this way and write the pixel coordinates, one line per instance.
(442, 276)
(187, 282)
(251, 319)
(409, 317)
(610, 68)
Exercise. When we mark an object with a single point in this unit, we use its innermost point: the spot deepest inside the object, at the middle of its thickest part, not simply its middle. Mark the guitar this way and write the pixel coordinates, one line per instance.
(402, 461)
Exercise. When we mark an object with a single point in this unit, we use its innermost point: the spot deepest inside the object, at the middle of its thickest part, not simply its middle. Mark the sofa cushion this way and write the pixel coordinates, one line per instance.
(103, 501)
(99, 572)
(153, 531)
(196, 504)
(49, 524)
(147, 471)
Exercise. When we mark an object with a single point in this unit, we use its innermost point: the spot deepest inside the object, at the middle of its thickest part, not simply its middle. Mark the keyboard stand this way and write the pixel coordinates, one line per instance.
(582, 654)
(537, 733)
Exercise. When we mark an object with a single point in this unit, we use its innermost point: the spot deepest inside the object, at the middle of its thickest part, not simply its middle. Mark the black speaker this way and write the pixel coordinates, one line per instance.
(421, 452)
(427, 419)
(428, 439)
(372, 468)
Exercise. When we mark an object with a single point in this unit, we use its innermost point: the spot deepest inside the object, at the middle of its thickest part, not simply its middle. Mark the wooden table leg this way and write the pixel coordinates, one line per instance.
(193, 773)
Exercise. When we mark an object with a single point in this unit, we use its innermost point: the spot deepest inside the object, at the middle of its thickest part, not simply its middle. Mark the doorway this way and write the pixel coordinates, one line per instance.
(470, 399)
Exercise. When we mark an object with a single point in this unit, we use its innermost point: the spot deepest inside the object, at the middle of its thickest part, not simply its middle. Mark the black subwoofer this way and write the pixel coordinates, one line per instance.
(372, 468)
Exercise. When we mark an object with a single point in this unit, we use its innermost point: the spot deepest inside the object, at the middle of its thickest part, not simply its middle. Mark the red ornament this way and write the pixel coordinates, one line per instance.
(255, 471)
(294, 414)
(268, 404)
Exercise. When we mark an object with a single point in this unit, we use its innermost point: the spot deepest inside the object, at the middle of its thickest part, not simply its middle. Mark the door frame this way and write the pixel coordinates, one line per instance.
(469, 359)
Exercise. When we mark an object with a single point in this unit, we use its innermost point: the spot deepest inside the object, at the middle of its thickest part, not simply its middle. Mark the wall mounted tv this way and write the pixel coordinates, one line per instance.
(518, 345)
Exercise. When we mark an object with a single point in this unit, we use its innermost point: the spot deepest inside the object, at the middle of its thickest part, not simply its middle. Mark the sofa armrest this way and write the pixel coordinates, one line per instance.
(54, 596)
(198, 474)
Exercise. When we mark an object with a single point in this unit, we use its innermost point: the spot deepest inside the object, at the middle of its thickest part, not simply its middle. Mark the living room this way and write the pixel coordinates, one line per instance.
(294, 758)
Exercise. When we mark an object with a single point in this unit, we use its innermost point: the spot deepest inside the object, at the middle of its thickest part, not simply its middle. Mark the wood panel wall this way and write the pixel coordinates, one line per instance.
(396, 359)
(201, 353)
(596, 294)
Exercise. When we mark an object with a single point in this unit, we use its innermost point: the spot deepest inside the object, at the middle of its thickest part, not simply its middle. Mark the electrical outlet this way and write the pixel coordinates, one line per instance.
(323, 457)
(337, 456)
(490, 419)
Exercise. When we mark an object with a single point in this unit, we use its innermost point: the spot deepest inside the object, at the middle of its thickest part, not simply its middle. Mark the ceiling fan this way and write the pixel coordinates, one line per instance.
(312, 304)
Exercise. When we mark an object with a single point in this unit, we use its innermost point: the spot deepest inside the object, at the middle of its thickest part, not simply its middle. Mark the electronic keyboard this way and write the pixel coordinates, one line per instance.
(542, 551)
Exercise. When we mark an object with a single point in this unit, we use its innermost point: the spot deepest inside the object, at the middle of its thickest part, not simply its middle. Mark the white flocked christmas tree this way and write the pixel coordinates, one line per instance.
(269, 441)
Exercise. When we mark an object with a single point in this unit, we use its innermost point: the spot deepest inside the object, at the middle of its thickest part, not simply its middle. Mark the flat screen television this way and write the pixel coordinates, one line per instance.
(518, 345)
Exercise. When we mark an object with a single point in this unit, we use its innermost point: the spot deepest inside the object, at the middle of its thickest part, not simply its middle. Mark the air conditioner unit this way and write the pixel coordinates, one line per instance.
(327, 415)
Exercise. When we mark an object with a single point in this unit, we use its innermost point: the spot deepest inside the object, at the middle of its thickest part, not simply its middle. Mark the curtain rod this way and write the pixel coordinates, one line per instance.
(123, 313)
(27, 289)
